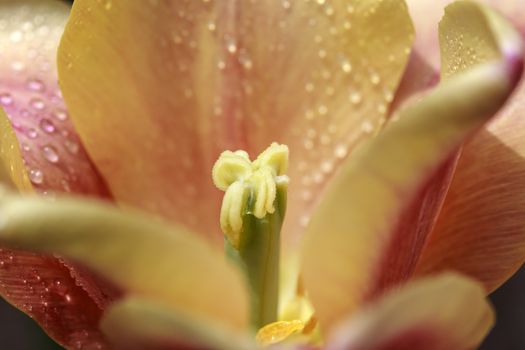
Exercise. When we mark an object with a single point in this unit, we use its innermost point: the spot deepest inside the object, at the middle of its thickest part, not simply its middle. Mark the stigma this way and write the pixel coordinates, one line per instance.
(250, 187)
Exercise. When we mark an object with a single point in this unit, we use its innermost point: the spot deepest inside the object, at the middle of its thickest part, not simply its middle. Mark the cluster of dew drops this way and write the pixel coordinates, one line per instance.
(37, 114)
(322, 134)
(36, 110)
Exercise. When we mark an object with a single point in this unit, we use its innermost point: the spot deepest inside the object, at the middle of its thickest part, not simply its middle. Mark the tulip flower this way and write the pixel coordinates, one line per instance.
(349, 216)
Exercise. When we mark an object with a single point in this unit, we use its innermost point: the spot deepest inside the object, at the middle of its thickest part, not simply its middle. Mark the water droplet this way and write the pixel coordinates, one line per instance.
(68, 298)
(17, 66)
(16, 36)
(50, 154)
(37, 104)
(245, 60)
(221, 65)
(308, 144)
(341, 151)
(65, 185)
(36, 176)
(375, 78)
(108, 5)
(346, 66)
(32, 133)
(322, 110)
(35, 85)
(355, 98)
(47, 126)
(327, 166)
(72, 146)
(211, 26)
(231, 46)
(367, 126)
(60, 114)
(6, 99)
(309, 87)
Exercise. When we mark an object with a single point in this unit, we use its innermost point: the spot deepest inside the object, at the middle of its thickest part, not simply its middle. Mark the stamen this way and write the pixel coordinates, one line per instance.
(251, 187)
(278, 331)
(251, 217)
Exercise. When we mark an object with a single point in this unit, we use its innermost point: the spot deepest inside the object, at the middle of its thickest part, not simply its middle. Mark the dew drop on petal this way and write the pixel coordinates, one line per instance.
(346, 66)
(6, 99)
(35, 85)
(37, 104)
(375, 79)
(50, 154)
(367, 126)
(341, 151)
(47, 126)
(72, 146)
(32, 133)
(60, 114)
(355, 98)
(36, 176)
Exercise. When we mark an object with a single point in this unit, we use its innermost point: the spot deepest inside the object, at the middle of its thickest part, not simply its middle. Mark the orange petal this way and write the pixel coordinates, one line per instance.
(481, 231)
(480, 223)
(470, 234)
(372, 222)
(171, 94)
(447, 312)
(29, 93)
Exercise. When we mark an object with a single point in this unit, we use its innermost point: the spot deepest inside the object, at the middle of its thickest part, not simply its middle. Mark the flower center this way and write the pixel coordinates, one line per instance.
(251, 217)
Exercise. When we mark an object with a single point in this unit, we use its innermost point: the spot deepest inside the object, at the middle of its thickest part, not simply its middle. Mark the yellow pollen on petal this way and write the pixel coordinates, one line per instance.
(250, 187)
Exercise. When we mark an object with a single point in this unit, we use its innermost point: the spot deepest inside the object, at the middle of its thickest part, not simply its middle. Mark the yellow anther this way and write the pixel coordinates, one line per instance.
(275, 157)
(231, 167)
(251, 187)
(278, 331)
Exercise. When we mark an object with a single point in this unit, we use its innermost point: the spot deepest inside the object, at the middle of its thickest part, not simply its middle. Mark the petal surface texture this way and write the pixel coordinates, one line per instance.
(365, 235)
(138, 253)
(30, 31)
(42, 152)
(172, 94)
(480, 229)
(136, 323)
(446, 312)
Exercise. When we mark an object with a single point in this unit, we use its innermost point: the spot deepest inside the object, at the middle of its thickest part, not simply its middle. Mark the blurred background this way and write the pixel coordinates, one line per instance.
(19, 332)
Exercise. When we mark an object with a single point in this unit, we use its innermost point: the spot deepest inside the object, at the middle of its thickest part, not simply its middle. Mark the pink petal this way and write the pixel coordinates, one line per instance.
(65, 300)
(174, 93)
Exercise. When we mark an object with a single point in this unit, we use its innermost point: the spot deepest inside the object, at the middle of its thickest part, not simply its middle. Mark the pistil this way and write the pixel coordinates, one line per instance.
(251, 217)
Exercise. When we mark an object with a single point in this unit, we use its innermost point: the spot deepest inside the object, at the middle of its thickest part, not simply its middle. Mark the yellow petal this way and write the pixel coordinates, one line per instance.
(172, 84)
(12, 169)
(446, 312)
(358, 241)
(427, 14)
(138, 323)
(136, 252)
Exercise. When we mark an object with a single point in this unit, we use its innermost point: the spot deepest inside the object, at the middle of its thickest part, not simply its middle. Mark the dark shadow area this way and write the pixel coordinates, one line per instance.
(19, 332)
(509, 301)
